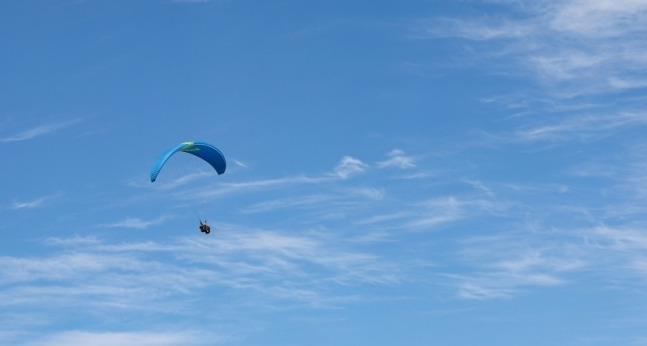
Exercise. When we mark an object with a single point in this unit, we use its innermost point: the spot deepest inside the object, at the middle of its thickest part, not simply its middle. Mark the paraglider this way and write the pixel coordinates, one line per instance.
(204, 227)
(205, 151)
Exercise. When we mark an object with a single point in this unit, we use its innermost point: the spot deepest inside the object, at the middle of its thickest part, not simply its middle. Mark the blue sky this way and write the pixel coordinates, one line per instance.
(399, 172)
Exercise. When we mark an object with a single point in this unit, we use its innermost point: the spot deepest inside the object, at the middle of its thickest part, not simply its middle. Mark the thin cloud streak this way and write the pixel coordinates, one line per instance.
(137, 223)
(181, 181)
(35, 203)
(142, 338)
(302, 202)
(223, 189)
(29, 205)
(582, 127)
(445, 210)
(39, 131)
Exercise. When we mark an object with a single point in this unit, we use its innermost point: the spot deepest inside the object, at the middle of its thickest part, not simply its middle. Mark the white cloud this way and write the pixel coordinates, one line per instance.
(138, 223)
(482, 29)
(598, 18)
(39, 131)
(368, 192)
(506, 265)
(30, 204)
(240, 163)
(582, 127)
(627, 82)
(443, 210)
(78, 240)
(622, 239)
(380, 218)
(199, 1)
(591, 45)
(221, 189)
(287, 203)
(146, 338)
(482, 187)
(349, 166)
(397, 159)
(35, 203)
(167, 184)
(282, 268)
(57, 268)
(270, 183)
(583, 57)
(501, 284)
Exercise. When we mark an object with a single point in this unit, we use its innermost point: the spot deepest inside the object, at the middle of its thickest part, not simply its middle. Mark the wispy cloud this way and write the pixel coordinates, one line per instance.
(582, 127)
(581, 64)
(482, 187)
(254, 184)
(39, 131)
(375, 219)
(168, 184)
(34, 203)
(622, 239)
(29, 204)
(349, 166)
(501, 284)
(276, 254)
(137, 223)
(261, 268)
(78, 240)
(300, 202)
(398, 159)
(481, 29)
(506, 265)
(223, 189)
(593, 45)
(442, 210)
(146, 338)
(240, 163)
(199, 1)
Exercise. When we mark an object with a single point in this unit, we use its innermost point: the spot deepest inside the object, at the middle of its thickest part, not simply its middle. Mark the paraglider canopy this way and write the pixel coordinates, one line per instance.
(205, 151)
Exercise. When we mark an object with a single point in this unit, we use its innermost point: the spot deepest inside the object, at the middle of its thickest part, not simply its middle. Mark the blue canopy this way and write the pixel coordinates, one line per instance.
(203, 150)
